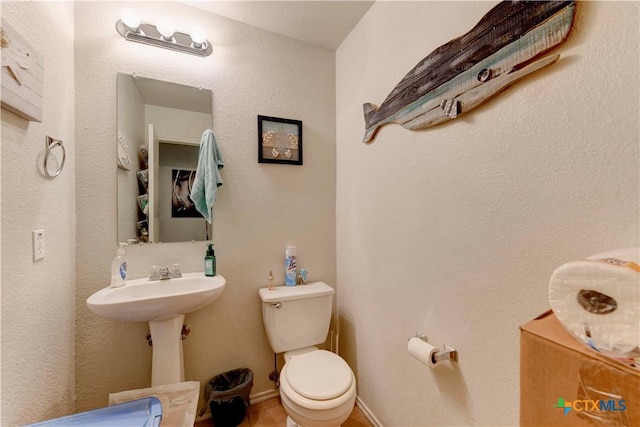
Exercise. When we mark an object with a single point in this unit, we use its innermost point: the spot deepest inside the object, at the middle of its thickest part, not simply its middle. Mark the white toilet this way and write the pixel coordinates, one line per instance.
(317, 387)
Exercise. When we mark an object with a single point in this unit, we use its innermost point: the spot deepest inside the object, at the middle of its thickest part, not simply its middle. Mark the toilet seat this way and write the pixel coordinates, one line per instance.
(319, 375)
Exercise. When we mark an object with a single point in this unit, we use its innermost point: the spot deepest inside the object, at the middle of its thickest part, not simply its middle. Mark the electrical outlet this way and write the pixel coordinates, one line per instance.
(38, 244)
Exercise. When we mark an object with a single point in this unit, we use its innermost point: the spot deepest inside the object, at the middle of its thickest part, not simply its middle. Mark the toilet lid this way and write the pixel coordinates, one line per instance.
(319, 375)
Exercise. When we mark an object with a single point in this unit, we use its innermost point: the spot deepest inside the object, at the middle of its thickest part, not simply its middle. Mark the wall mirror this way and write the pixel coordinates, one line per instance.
(159, 129)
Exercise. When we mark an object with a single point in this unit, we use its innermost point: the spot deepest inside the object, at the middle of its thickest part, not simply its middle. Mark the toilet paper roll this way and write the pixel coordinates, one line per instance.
(423, 351)
(598, 301)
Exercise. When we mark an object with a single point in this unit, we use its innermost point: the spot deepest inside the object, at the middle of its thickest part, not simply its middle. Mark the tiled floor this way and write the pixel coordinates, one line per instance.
(270, 413)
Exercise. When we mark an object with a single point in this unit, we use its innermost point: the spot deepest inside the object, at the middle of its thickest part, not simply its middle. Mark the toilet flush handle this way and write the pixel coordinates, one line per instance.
(275, 305)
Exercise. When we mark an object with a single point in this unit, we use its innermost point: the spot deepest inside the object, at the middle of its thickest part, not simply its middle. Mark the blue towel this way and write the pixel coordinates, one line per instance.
(208, 179)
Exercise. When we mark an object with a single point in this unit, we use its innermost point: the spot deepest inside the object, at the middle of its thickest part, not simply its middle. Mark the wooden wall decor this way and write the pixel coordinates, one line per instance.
(465, 72)
(22, 75)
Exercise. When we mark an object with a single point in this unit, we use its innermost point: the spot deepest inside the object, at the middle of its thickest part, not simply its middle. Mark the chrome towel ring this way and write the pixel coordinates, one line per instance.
(50, 144)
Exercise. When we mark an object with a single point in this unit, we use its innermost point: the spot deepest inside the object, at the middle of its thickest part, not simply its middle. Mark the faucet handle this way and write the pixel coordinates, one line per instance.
(154, 272)
(175, 271)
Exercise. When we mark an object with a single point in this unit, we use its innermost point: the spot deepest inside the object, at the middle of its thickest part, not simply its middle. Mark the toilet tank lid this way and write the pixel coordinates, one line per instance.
(287, 293)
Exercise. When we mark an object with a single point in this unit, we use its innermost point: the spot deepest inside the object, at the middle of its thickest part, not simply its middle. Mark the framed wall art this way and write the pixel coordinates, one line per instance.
(181, 184)
(22, 74)
(279, 141)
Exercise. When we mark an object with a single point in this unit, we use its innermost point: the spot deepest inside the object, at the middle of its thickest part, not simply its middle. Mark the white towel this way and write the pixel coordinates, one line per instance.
(208, 179)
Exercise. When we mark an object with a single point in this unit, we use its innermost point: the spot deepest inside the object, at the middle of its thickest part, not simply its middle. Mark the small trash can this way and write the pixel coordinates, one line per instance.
(227, 395)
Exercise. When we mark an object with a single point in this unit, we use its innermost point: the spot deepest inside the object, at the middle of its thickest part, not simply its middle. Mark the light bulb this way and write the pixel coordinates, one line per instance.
(165, 28)
(130, 19)
(197, 35)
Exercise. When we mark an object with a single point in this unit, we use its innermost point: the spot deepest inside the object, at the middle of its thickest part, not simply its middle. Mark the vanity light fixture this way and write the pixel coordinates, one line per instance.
(166, 30)
(197, 35)
(130, 19)
(163, 35)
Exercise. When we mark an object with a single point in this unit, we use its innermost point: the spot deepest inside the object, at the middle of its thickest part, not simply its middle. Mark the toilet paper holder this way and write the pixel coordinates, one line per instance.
(447, 352)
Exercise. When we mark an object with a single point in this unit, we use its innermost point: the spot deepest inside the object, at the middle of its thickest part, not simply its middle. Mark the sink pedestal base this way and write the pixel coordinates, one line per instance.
(167, 365)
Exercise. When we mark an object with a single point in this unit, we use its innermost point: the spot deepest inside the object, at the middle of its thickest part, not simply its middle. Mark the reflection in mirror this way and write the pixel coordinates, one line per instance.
(159, 129)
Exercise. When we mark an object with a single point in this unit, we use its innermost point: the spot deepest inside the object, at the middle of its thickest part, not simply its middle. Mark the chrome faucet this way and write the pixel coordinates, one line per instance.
(163, 273)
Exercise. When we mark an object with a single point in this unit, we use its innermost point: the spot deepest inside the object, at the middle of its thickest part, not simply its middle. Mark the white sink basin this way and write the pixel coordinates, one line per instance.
(142, 300)
(162, 303)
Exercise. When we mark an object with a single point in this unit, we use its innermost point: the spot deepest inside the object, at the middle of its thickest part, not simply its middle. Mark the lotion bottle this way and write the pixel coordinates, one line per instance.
(270, 284)
(210, 262)
(119, 268)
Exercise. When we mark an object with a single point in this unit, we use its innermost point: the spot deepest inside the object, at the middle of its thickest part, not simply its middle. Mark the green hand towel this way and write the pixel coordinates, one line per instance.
(208, 179)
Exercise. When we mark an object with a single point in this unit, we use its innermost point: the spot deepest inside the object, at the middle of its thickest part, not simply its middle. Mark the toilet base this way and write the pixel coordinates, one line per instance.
(302, 417)
(291, 423)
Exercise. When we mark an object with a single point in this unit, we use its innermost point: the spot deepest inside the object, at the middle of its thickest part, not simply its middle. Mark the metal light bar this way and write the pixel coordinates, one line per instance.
(149, 34)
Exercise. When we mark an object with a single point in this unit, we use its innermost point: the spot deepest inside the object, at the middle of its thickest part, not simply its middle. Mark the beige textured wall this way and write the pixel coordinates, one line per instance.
(38, 297)
(260, 208)
(456, 230)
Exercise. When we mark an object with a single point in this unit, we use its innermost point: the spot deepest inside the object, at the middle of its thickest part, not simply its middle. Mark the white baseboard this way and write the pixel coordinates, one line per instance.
(367, 413)
(263, 395)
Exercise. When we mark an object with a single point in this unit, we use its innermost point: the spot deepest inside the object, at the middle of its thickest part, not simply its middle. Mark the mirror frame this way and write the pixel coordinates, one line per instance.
(177, 114)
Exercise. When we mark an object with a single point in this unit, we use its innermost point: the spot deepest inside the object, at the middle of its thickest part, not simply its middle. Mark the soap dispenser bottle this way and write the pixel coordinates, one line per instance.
(210, 262)
(119, 268)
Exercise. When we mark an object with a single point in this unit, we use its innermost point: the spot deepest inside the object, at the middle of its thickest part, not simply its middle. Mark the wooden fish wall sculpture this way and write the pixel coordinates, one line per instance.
(465, 72)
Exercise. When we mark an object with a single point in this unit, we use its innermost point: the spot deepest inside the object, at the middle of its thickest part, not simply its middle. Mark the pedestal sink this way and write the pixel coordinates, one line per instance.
(162, 303)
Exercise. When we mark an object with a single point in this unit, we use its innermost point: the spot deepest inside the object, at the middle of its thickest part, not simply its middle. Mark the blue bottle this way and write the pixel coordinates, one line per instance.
(290, 266)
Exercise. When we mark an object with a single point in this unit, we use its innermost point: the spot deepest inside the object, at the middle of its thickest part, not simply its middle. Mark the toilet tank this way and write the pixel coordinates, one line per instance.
(295, 317)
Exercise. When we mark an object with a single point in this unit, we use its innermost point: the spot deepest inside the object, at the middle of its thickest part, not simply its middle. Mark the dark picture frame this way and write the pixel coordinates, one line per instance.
(279, 140)
(181, 204)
